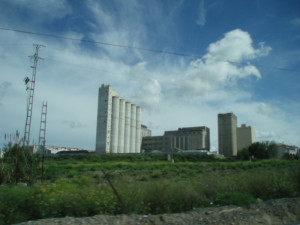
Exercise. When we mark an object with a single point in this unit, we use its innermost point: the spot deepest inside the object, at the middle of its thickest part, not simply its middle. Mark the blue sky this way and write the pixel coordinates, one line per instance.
(240, 56)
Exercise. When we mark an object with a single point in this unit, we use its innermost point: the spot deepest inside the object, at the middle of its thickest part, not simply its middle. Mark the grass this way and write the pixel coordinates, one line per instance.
(75, 186)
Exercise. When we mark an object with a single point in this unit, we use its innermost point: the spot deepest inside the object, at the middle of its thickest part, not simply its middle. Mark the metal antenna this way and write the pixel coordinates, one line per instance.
(30, 93)
(42, 135)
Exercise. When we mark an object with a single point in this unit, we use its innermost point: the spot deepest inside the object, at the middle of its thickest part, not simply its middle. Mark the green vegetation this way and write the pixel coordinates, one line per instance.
(75, 186)
(19, 166)
(259, 150)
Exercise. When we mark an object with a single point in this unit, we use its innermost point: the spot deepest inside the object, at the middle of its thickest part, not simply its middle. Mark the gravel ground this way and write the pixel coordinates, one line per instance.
(277, 211)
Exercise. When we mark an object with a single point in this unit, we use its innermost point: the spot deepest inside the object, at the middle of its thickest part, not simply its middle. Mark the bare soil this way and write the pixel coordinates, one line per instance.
(276, 211)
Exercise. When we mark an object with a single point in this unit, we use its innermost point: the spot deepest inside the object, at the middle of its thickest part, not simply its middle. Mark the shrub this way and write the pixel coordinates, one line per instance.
(243, 154)
(15, 204)
(144, 178)
(162, 197)
(156, 174)
(263, 150)
(21, 166)
(233, 198)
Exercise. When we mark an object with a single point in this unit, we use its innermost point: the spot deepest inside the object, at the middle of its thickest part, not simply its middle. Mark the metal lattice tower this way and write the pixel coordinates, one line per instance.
(30, 94)
(42, 134)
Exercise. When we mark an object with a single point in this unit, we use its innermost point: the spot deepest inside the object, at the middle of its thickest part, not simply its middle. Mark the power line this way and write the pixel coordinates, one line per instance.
(132, 47)
(102, 43)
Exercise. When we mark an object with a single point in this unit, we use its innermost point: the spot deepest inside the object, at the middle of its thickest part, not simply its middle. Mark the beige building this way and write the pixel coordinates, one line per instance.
(227, 124)
(245, 136)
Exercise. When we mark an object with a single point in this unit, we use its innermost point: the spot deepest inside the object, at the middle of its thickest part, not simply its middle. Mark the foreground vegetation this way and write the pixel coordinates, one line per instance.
(75, 186)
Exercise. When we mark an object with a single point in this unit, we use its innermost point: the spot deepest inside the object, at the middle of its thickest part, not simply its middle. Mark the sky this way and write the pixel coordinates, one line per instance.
(182, 61)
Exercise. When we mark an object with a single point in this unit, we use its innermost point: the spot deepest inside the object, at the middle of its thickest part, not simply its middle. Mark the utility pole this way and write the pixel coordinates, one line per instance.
(30, 84)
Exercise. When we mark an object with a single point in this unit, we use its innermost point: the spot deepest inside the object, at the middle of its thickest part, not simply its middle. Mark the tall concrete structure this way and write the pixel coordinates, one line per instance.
(245, 136)
(227, 129)
(187, 138)
(119, 128)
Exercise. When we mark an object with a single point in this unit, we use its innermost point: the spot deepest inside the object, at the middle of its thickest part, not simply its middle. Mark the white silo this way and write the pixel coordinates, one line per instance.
(127, 127)
(138, 130)
(121, 136)
(133, 128)
(114, 125)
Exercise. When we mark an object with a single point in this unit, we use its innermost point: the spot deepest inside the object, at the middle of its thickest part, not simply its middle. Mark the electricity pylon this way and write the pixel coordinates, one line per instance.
(30, 84)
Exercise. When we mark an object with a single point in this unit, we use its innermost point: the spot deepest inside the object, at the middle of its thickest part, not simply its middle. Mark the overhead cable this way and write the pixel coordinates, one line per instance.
(101, 43)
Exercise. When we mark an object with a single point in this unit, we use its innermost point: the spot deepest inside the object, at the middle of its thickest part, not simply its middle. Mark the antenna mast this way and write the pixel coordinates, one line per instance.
(30, 93)
(42, 135)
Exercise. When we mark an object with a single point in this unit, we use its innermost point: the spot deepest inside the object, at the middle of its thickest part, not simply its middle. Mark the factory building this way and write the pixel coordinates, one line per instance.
(145, 132)
(188, 138)
(245, 136)
(227, 134)
(119, 128)
(157, 143)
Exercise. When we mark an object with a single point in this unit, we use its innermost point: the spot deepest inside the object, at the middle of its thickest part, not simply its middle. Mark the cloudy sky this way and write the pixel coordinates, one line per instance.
(183, 61)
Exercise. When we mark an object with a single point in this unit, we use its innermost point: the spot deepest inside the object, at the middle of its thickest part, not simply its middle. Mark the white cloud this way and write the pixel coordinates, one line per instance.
(74, 124)
(50, 9)
(236, 46)
(223, 65)
(123, 30)
(202, 14)
(263, 50)
(295, 22)
(266, 135)
(149, 89)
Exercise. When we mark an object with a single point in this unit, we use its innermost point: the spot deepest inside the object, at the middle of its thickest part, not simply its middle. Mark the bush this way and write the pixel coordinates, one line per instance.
(20, 165)
(156, 174)
(232, 198)
(243, 154)
(263, 150)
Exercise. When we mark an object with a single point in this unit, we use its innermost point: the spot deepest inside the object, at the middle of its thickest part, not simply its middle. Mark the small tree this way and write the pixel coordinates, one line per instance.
(272, 149)
(263, 150)
(243, 154)
(19, 165)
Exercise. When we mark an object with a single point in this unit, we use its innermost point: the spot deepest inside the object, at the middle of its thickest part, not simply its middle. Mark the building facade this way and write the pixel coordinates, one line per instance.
(245, 136)
(286, 149)
(157, 143)
(118, 123)
(188, 138)
(227, 134)
(145, 132)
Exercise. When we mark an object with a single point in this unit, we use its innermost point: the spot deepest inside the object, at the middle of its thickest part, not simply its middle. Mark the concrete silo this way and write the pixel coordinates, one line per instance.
(118, 124)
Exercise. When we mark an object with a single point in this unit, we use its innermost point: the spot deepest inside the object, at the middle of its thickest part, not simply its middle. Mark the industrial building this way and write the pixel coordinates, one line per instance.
(145, 132)
(188, 138)
(245, 136)
(227, 134)
(119, 128)
(287, 149)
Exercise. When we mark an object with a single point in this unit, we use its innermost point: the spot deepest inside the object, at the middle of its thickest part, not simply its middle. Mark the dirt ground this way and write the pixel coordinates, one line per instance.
(277, 211)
